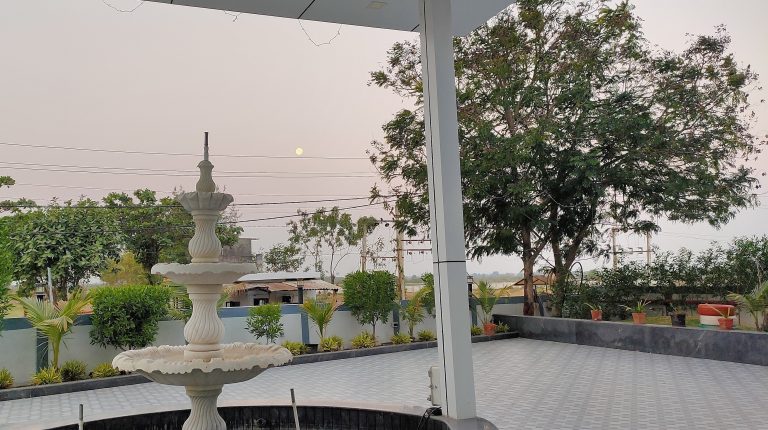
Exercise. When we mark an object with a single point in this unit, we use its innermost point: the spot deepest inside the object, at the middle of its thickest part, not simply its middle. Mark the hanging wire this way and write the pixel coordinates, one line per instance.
(117, 9)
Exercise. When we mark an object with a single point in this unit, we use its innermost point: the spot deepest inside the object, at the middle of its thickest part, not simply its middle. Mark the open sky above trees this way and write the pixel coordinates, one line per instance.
(81, 74)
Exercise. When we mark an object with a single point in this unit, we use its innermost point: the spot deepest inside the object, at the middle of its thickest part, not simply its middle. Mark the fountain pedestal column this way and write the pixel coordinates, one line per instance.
(204, 330)
(204, 415)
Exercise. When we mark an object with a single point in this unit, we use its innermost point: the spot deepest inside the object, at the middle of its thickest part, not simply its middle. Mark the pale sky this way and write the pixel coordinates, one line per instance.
(77, 73)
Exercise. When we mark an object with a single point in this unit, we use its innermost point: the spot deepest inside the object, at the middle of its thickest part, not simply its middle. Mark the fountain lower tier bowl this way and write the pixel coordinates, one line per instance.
(238, 362)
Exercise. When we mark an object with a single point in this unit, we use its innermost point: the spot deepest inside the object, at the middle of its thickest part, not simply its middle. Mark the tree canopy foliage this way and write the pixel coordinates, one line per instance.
(328, 231)
(75, 239)
(569, 120)
(284, 258)
(158, 230)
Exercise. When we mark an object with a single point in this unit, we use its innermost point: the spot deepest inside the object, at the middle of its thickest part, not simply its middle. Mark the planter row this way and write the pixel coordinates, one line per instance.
(118, 381)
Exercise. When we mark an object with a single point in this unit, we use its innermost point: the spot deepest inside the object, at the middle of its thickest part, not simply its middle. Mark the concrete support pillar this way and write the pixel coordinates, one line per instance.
(445, 202)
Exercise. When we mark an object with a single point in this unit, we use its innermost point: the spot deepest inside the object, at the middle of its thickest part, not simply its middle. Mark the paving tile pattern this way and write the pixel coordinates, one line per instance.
(521, 384)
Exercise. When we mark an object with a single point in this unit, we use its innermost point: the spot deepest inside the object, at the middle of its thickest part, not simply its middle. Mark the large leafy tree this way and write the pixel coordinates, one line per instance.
(570, 120)
(328, 231)
(75, 240)
(159, 229)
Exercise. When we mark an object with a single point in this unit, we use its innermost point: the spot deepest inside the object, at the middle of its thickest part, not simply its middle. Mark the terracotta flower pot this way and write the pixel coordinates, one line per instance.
(725, 323)
(638, 318)
(597, 315)
(489, 329)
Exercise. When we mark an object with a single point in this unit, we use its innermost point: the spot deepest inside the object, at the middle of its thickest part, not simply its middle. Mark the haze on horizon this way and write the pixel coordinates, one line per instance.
(79, 73)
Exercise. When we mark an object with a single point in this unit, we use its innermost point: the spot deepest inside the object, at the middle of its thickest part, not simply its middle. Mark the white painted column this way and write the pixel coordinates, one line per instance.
(445, 205)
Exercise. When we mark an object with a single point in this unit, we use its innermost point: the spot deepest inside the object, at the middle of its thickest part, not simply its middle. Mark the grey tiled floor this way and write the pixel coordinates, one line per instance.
(521, 384)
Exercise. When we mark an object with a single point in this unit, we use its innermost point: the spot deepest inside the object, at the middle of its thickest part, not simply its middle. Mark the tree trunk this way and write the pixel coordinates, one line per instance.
(558, 289)
(529, 258)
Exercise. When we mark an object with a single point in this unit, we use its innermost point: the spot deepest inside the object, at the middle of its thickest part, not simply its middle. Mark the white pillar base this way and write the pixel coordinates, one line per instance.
(204, 415)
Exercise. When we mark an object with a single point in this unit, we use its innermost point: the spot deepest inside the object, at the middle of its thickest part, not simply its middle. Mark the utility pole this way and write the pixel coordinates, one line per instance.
(363, 252)
(614, 253)
(648, 251)
(50, 287)
(400, 265)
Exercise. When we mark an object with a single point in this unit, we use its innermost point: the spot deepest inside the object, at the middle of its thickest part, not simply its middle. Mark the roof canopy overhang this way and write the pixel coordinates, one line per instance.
(390, 14)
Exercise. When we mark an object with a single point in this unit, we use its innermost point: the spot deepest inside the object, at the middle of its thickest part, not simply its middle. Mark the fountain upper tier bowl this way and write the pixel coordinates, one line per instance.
(239, 362)
(204, 273)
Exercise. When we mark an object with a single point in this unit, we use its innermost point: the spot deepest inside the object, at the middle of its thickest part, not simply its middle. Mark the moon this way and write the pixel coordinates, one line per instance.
(299, 151)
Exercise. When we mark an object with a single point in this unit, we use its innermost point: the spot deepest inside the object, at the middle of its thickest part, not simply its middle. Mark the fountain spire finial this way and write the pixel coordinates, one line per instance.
(205, 148)
(205, 184)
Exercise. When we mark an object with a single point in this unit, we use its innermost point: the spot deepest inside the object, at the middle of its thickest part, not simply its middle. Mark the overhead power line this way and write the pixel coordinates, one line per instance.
(181, 154)
(170, 173)
(187, 171)
(290, 202)
(191, 227)
(131, 190)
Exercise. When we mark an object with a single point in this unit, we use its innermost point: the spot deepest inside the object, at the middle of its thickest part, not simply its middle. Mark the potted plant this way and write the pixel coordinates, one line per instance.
(638, 311)
(677, 316)
(487, 298)
(725, 321)
(596, 311)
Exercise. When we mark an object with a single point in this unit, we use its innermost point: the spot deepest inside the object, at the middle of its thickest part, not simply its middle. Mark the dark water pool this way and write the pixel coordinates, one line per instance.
(274, 418)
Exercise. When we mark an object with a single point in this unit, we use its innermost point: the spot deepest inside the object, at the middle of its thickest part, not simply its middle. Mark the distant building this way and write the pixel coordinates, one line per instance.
(241, 252)
(278, 287)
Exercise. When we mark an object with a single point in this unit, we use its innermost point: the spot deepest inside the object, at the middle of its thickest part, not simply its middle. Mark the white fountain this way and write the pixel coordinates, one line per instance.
(204, 365)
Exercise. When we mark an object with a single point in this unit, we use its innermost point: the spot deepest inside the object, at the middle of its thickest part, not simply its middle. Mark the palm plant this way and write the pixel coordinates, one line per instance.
(54, 321)
(487, 297)
(755, 303)
(413, 312)
(321, 313)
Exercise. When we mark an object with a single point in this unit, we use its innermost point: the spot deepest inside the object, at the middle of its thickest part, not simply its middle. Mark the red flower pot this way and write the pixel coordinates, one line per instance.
(597, 315)
(712, 310)
(489, 329)
(725, 323)
(638, 318)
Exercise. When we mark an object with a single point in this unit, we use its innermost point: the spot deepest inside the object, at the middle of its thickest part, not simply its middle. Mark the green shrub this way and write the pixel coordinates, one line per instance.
(502, 328)
(296, 348)
(476, 330)
(370, 296)
(332, 343)
(128, 317)
(48, 375)
(264, 321)
(6, 379)
(73, 370)
(363, 340)
(104, 370)
(426, 336)
(401, 338)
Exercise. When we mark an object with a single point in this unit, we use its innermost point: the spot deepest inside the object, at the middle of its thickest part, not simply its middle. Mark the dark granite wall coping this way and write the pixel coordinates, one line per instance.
(70, 387)
(117, 381)
(735, 345)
